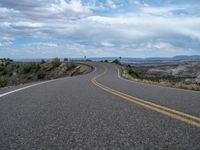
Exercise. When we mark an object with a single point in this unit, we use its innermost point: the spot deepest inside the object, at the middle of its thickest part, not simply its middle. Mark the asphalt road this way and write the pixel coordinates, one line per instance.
(98, 111)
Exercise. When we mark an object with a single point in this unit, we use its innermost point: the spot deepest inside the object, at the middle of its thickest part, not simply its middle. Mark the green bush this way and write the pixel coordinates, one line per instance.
(10, 74)
(65, 59)
(27, 68)
(4, 72)
(106, 61)
(55, 62)
(1, 68)
(17, 66)
(6, 60)
(131, 71)
(29, 78)
(40, 75)
(3, 82)
(42, 61)
(38, 67)
(116, 61)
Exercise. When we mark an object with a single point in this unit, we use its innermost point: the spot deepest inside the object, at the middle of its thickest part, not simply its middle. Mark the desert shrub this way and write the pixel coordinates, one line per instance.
(10, 74)
(17, 66)
(88, 60)
(41, 75)
(106, 61)
(42, 61)
(6, 59)
(116, 61)
(7, 63)
(3, 82)
(187, 86)
(29, 78)
(38, 67)
(27, 68)
(131, 71)
(148, 78)
(4, 72)
(55, 62)
(65, 59)
(1, 68)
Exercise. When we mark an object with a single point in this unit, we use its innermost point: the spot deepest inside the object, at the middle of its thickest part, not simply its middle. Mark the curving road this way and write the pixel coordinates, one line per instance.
(99, 110)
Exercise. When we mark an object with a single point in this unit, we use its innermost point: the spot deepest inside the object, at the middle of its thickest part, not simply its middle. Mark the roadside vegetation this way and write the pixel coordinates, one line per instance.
(130, 73)
(116, 61)
(161, 75)
(14, 73)
(105, 61)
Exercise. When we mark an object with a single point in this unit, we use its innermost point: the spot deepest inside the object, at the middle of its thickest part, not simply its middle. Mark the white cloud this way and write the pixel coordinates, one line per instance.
(107, 44)
(111, 4)
(163, 45)
(161, 11)
(73, 8)
(108, 28)
(49, 44)
(137, 26)
(27, 24)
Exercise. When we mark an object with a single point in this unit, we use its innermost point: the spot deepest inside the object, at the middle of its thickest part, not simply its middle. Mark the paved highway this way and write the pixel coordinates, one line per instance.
(99, 110)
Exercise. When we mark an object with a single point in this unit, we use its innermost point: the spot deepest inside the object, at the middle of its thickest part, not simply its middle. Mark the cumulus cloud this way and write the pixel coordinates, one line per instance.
(111, 4)
(107, 44)
(40, 44)
(91, 27)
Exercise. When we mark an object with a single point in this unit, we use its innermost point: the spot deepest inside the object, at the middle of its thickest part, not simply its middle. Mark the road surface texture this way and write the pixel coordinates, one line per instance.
(99, 110)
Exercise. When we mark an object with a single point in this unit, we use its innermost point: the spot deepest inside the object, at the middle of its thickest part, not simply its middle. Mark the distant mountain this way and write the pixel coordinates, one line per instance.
(194, 57)
(162, 59)
(128, 59)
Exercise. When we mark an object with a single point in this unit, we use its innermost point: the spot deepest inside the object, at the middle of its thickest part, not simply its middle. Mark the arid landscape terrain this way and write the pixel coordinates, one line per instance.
(180, 74)
(184, 71)
(14, 73)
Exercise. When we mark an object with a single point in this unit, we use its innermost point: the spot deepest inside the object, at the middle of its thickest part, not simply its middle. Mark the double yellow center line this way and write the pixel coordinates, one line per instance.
(193, 120)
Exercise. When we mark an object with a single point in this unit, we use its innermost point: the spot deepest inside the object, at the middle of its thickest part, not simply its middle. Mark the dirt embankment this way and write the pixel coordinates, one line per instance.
(15, 73)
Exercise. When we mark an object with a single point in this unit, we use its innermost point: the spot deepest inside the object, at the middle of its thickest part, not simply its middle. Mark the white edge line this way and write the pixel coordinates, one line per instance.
(95, 69)
(138, 82)
(26, 87)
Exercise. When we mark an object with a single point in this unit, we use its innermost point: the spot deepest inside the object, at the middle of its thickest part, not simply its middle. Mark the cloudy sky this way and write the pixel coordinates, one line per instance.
(97, 28)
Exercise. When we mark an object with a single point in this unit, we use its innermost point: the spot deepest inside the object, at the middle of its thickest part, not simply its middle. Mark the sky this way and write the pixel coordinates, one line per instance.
(99, 28)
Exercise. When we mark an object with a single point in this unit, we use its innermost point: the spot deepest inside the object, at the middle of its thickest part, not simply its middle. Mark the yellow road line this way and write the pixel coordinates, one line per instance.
(158, 108)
